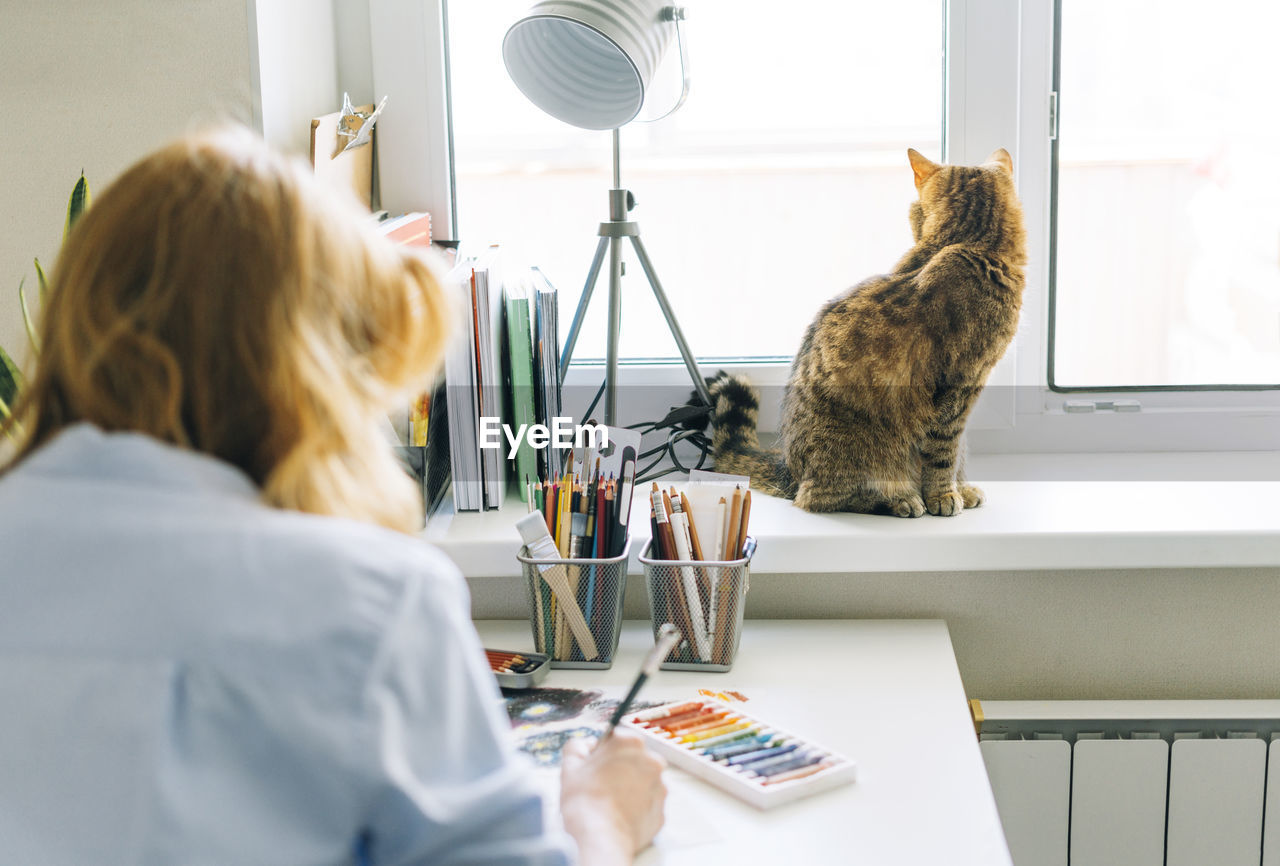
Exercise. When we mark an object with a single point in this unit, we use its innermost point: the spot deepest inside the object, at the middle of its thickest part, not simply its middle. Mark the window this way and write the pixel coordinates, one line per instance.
(782, 181)
(1153, 220)
(1167, 260)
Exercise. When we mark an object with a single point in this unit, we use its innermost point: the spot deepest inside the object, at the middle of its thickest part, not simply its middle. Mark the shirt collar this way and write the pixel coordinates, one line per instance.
(84, 450)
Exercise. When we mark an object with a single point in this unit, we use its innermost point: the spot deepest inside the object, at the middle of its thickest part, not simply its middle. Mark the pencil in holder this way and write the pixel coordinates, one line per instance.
(575, 607)
(705, 600)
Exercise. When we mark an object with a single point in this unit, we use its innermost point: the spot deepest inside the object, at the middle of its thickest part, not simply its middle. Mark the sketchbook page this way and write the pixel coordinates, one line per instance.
(544, 719)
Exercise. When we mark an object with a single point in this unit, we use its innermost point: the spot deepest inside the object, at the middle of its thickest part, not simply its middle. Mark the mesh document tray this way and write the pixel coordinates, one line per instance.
(705, 600)
(596, 587)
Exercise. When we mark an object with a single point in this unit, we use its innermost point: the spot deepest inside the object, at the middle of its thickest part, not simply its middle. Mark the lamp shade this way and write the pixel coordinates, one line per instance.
(588, 62)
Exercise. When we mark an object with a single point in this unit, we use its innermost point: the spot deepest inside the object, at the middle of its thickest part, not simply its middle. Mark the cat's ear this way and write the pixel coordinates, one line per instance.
(1001, 158)
(924, 168)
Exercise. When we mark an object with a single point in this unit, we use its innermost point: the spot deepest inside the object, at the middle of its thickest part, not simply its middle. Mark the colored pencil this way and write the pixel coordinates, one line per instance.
(622, 515)
(549, 506)
(742, 527)
(592, 544)
(721, 516)
(666, 541)
(678, 609)
(700, 641)
(693, 530)
(735, 521)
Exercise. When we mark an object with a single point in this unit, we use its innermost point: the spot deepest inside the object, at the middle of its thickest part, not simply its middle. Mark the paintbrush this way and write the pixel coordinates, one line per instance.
(668, 637)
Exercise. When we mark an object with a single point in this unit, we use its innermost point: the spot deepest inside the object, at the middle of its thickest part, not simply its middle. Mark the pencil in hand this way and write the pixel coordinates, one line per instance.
(668, 637)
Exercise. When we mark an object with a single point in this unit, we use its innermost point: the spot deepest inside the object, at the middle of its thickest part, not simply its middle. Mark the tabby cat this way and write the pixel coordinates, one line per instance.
(875, 409)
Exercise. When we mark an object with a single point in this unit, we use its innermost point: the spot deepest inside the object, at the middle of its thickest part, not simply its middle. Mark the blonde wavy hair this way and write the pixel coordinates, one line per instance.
(216, 297)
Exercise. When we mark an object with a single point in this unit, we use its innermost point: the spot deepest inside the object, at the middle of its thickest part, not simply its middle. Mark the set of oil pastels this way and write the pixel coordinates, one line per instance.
(754, 761)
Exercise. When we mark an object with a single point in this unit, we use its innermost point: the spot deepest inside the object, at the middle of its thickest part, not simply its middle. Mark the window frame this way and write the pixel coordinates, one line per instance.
(1172, 418)
(1000, 75)
(1096, 393)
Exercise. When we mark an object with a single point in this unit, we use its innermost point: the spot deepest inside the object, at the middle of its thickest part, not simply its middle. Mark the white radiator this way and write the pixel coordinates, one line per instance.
(1135, 783)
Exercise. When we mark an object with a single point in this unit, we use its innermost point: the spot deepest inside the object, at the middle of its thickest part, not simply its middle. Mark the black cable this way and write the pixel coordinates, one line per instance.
(595, 400)
(677, 424)
(685, 423)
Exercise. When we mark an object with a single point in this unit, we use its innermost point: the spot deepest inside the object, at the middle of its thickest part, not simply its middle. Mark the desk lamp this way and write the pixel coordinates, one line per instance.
(588, 63)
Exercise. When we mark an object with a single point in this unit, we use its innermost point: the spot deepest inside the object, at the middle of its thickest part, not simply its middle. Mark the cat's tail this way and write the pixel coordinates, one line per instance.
(735, 410)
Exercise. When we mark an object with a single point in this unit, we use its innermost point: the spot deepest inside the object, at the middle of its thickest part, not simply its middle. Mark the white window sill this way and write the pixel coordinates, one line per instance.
(1218, 510)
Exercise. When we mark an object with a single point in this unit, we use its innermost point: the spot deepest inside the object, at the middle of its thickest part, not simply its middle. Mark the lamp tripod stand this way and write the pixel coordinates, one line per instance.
(612, 233)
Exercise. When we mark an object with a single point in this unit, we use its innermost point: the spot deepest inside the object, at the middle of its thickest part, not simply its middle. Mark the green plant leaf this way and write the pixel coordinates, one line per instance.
(77, 204)
(26, 317)
(44, 284)
(10, 380)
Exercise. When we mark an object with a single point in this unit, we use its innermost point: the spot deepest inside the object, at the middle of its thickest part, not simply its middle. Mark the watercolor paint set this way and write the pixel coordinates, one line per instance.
(744, 756)
(522, 670)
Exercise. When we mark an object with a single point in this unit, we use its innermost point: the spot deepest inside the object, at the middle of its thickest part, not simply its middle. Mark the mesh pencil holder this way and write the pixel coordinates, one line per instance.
(705, 600)
(582, 633)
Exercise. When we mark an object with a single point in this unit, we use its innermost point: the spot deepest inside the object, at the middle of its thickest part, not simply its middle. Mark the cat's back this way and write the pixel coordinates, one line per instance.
(846, 308)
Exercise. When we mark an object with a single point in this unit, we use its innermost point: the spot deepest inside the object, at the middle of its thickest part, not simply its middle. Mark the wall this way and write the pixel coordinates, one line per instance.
(296, 47)
(1051, 635)
(93, 86)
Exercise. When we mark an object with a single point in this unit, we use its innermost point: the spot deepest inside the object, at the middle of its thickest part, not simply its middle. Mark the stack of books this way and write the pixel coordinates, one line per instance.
(546, 393)
(503, 365)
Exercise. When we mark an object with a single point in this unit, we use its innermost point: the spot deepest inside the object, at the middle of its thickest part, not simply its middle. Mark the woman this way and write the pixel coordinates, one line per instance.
(219, 641)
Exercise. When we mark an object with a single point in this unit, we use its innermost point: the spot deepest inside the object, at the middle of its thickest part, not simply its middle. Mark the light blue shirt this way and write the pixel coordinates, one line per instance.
(188, 676)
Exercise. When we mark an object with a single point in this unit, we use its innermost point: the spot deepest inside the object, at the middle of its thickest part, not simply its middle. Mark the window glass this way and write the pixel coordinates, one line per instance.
(1167, 266)
(782, 180)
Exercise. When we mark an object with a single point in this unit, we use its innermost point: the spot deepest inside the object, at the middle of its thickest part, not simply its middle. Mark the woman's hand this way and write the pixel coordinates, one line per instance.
(611, 797)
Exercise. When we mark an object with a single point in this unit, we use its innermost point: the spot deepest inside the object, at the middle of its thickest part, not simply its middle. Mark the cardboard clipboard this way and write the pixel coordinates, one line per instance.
(352, 169)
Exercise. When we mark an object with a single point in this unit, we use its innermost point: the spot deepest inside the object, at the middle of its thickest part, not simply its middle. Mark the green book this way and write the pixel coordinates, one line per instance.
(520, 346)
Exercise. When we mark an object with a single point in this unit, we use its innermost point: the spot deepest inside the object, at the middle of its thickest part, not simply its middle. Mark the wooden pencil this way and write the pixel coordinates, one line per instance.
(678, 606)
(735, 521)
(725, 592)
(693, 530)
(704, 577)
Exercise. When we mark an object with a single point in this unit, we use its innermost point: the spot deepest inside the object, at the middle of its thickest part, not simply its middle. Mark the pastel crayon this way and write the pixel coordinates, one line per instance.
(762, 754)
(690, 725)
(794, 763)
(797, 774)
(752, 744)
(665, 711)
(674, 721)
(729, 738)
(713, 732)
(760, 765)
(665, 724)
(695, 718)
(693, 726)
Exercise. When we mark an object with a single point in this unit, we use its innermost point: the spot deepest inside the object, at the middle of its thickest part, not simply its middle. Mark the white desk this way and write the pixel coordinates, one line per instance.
(885, 693)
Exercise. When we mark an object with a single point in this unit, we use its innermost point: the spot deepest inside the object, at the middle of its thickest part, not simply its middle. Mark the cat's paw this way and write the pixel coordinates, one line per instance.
(812, 498)
(945, 504)
(972, 496)
(907, 506)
